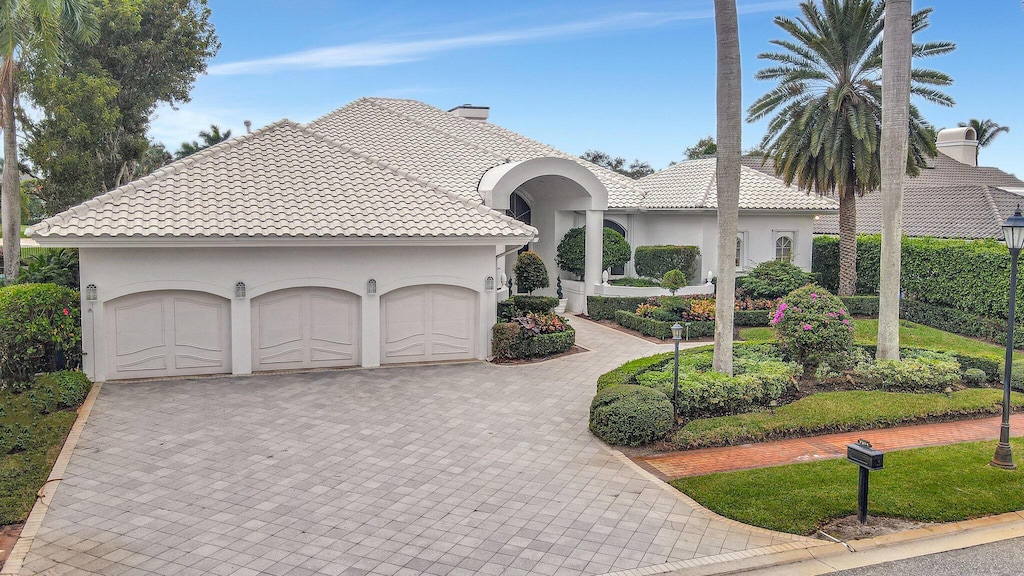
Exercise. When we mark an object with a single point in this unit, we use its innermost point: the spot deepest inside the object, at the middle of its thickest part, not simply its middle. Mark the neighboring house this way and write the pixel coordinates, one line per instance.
(376, 234)
(952, 198)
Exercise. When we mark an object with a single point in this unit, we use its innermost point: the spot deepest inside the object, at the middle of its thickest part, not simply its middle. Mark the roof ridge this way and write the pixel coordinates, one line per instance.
(995, 210)
(712, 183)
(410, 118)
(162, 172)
(472, 203)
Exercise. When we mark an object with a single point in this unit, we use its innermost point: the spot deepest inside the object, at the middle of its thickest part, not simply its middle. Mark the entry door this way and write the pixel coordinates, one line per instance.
(305, 328)
(428, 323)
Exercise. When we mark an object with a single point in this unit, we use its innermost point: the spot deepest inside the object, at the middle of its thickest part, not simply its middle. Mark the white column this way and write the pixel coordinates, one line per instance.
(241, 336)
(370, 321)
(595, 253)
(487, 314)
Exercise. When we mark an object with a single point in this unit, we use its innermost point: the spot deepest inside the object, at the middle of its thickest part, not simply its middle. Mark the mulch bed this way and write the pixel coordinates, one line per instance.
(8, 536)
(506, 362)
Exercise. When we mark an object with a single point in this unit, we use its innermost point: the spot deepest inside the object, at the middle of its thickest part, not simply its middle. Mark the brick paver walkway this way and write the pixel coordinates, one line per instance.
(449, 469)
(791, 451)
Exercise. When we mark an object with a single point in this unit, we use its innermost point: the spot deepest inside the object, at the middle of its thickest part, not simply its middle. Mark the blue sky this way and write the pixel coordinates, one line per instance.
(634, 79)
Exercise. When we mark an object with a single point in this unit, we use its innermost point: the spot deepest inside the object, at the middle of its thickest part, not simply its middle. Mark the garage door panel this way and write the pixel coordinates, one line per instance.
(305, 328)
(427, 323)
(167, 333)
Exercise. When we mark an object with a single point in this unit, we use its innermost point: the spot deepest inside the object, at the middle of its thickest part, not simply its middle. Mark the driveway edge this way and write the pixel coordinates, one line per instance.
(22, 547)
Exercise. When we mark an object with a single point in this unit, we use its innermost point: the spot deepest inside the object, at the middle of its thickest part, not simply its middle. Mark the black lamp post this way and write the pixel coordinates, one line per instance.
(1013, 234)
(677, 335)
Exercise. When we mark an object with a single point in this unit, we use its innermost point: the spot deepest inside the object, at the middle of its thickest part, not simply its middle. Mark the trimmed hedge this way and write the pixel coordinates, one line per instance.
(959, 322)
(861, 305)
(630, 415)
(663, 330)
(605, 307)
(656, 261)
(509, 341)
(522, 304)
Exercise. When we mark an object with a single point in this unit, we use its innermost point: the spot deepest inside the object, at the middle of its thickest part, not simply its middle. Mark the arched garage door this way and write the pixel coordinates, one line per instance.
(167, 333)
(428, 323)
(305, 328)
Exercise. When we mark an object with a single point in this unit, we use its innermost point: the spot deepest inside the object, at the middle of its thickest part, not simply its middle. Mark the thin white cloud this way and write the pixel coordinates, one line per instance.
(387, 53)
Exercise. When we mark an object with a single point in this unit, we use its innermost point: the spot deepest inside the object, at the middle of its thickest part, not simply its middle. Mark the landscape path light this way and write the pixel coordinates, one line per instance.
(677, 335)
(1013, 235)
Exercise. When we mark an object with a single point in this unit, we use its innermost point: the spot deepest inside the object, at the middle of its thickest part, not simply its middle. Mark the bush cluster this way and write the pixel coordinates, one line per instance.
(54, 266)
(522, 305)
(605, 307)
(656, 261)
(813, 327)
(916, 371)
(570, 255)
(531, 336)
(40, 324)
(630, 415)
(634, 282)
(28, 418)
(773, 279)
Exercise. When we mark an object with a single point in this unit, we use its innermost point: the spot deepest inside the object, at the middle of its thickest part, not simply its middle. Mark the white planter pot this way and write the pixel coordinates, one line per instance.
(562, 302)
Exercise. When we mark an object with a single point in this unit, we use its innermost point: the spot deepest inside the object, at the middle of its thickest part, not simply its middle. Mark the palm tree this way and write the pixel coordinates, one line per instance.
(730, 125)
(826, 129)
(986, 130)
(29, 25)
(897, 53)
(209, 139)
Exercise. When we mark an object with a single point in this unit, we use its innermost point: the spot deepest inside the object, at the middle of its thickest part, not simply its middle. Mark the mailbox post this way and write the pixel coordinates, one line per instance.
(867, 459)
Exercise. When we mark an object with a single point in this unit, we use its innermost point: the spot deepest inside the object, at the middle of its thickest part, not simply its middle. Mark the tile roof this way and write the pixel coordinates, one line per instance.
(283, 180)
(691, 184)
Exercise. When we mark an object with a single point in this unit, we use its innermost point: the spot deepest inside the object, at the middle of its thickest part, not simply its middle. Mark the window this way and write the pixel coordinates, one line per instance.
(616, 270)
(518, 208)
(741, 249)
(784, 248)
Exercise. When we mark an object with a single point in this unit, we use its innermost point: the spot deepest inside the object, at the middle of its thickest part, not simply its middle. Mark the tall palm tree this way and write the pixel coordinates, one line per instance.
(897, 53)
(986, 130)
(29, 25)
(826, 129)
(210, 138)
(730, 125)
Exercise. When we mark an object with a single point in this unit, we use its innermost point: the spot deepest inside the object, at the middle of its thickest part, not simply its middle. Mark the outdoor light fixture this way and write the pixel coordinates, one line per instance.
(677, 335)
(90, 292)
(489, 283)
(371, 286)
(240, 290)
(1013, 235)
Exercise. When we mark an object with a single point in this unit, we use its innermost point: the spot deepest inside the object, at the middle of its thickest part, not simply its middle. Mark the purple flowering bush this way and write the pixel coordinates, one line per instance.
(813, 326)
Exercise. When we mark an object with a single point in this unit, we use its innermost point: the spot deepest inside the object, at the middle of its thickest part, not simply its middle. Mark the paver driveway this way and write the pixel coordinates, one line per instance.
(451, 469)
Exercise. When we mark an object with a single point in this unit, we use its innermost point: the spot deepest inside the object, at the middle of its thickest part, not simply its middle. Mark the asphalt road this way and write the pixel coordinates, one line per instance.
(1005, 558)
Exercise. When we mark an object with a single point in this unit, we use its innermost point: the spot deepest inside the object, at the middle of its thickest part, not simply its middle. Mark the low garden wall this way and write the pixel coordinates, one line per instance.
(632, 291)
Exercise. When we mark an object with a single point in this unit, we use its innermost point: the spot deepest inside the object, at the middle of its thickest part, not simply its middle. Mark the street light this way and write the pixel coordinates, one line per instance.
(1013, 234)
(677, 335)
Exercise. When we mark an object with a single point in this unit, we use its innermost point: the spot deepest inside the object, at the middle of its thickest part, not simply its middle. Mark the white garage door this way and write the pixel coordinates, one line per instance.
(428, 323)
(305, 328)
(167, 333)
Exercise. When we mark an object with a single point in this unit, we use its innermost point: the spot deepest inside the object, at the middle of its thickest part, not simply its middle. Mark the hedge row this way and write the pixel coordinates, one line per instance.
(992, 368)
(521, 305)
(605, 307)
(655, 261)
(509, 342)
(953, 320)
(861, 305)
(704, 329)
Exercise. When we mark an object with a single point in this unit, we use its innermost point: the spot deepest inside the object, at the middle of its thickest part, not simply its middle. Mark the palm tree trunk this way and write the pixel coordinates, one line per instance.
(848, 242)
(730, 115)
(896, 56)
(11, 191)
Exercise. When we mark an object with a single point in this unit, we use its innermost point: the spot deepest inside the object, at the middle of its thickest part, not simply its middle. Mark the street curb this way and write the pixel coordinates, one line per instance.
(22, 547)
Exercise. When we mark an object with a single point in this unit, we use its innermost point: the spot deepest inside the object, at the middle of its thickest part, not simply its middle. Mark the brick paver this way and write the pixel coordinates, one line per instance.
(794, 450)
(449, 469)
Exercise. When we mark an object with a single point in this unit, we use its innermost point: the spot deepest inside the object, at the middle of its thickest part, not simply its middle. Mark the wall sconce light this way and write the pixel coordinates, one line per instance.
(240, 290)
(371, 286)
(489, 283)
(90, 292)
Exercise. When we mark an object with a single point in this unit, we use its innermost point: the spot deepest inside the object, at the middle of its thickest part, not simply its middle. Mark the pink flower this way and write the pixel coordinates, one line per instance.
(847, 322)
(814, 296)
(66, 312)
(807, 326)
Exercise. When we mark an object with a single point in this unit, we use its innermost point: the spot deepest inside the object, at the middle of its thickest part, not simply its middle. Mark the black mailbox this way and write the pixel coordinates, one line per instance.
(863, 455)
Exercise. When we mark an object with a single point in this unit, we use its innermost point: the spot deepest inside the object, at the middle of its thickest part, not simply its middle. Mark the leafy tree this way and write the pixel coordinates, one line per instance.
(42, 27)
(704, 147)
(210, 138)
(96, 105)
(825, 131)
(636, 169)
(729, 126)
(531, 274)
(986, 130)
(571, 252)
(673, 281)
(155, 157)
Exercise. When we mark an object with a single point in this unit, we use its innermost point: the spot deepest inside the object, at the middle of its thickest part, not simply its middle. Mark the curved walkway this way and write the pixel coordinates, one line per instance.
(448, 469)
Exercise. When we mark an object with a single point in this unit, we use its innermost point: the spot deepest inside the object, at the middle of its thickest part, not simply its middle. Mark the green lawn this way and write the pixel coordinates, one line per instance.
(829, 412)
(937, 484)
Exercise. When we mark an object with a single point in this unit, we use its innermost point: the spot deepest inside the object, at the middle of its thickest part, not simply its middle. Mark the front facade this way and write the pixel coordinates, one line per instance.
(381, 233)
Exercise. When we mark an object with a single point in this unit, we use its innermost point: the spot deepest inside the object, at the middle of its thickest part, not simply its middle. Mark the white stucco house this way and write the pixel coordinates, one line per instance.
(376, 234)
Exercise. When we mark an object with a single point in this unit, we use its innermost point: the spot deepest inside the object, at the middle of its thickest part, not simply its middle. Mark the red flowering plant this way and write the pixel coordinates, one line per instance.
(813, 326)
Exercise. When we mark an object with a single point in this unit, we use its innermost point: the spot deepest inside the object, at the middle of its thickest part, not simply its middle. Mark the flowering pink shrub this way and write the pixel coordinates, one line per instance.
(813, 326)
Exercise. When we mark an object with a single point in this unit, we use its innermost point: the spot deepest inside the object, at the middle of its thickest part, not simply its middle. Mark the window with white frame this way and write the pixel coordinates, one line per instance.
(784, 246)
(741, 249)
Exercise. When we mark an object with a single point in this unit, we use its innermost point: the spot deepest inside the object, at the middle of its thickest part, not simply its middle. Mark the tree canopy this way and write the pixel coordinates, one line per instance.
(209, 138)
(706, 146)
(635, 169)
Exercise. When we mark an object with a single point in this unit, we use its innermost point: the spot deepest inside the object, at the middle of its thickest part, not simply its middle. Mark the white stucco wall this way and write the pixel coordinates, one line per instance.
(120, 271)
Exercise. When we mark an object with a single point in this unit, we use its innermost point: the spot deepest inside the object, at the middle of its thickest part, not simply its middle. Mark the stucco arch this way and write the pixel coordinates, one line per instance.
(498, 183)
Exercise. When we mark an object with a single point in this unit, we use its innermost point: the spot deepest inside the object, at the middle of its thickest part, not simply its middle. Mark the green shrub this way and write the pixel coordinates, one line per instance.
(38, 323)
(658, 328)
(54, 266)
(535, 304)
(959, 322)
(773, 279)
(543, 345)
(503, 335)
(571, 252)
(57, 390)
(704, 392)
(630, 415)
(861, 305)
(634, 282)
(751, 317)
(673, 280)
(656, 261)
(531, 337)
(918, 371)
(993, 369)
(627, 373)
(605, 307)
(974, 377)
(531, 274)
(813, 327)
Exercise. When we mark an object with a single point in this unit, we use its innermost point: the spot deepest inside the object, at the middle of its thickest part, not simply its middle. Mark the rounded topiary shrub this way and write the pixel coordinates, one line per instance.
(630, 415)
(531, 274)
(813, 327)
(773, 279)
(673, 280)
(974, 377)
(571, 252)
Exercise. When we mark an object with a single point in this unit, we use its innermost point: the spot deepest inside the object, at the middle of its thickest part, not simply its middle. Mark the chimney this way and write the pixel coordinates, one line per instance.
(960, 144)
(470, 112)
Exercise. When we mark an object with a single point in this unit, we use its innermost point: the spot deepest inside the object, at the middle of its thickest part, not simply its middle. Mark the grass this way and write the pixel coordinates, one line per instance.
(829, 412)
(936, 484)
